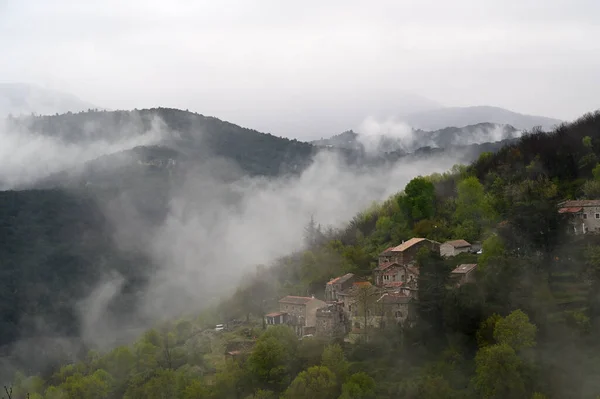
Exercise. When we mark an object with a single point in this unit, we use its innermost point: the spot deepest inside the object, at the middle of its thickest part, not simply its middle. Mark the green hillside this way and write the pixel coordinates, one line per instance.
(525, 329)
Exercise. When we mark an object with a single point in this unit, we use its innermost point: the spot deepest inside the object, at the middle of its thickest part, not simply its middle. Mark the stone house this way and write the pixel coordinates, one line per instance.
(454, 247)
(392, 273)
(396, 308)
(331, 321)
(463, 274)
(403, 254)
(301, 312)
(276, 318)
(338, 284)
(584, 215)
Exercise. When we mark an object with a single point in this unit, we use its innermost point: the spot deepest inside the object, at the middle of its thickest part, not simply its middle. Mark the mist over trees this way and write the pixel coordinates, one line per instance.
(524, 329)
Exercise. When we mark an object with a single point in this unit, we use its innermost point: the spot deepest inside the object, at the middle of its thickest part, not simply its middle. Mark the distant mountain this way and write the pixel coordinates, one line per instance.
(413, 140)
(25, 99)
(463, 116)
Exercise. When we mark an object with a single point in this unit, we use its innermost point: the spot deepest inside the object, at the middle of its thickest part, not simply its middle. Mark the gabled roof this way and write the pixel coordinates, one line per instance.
(464, 268)
(296, 300)
(386, 265)
(341, 279)
(579, 203)
(458, 243)
(275, 314)
(407, 244)
(570, 210)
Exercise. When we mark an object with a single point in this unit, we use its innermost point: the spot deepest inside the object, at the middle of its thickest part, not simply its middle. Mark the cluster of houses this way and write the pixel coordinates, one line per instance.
(351, 306)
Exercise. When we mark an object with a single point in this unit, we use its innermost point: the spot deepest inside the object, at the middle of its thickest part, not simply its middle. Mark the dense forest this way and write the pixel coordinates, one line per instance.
(525, 329)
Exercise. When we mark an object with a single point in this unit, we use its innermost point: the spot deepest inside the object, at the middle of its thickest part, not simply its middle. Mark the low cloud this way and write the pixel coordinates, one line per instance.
(217, 231)
(27, 155)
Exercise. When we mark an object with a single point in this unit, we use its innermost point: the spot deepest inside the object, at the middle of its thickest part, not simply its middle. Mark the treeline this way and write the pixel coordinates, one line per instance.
(525, 329)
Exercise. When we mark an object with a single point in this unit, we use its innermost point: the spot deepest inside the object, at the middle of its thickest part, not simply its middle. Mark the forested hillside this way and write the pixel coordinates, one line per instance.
(524, 329)
(59, 234)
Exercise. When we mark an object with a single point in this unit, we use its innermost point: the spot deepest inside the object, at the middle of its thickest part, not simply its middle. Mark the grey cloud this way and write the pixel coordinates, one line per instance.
(270, 65)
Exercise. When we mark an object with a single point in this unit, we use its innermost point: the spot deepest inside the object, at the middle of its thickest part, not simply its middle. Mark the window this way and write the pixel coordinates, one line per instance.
(398, 314)
(386, 277)
(598, 216)
(584, 215)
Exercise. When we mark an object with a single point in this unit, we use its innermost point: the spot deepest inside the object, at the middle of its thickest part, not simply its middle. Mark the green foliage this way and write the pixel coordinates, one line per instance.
(334, 359)
(485, 333)
(318, 382)
(359, 386)
(498, 374)
(492, 247)
(419, 200)
(473, 209)
(272, 360)
(516, 331)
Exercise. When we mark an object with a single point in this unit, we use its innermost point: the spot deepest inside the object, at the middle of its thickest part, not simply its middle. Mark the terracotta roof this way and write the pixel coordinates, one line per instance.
(386, 251)
(275, 314)
(578, 203)
(570, 210)
(394, 298)
(341, 279)
(464, 268)
(386, 265)
(407, 244)
(296, 300)
(458, 243)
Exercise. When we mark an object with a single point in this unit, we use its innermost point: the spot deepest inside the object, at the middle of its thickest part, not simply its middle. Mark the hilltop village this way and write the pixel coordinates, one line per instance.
(351, 306)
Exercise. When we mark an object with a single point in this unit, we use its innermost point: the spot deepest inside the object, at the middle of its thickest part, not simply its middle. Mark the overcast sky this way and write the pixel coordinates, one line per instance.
(267, 63)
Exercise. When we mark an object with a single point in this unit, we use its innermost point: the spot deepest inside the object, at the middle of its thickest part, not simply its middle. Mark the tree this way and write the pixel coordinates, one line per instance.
(318, 382)
(419, 200)
(366, 296)
(492, 247)
(485, 333)
(272, 360)
(358, 386)
(516, 331)
(497, 373)
(333, 358)
(473, 209)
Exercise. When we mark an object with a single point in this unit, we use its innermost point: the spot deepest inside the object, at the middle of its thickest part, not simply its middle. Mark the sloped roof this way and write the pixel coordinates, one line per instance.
(579, 203)
(570, 210)
(296, 300)
(387, 251)
(341, 279)
(275, 314)
(464, 268)
(458, 243)
(394, 298)
(386, 265)
(407, 244)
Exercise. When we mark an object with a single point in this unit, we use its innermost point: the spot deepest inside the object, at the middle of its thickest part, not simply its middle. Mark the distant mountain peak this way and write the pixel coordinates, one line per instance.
(462, 116)
(25, 99)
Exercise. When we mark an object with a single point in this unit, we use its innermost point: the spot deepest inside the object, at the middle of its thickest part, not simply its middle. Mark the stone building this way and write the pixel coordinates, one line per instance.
(403, 254)
(584, 215)
(338, 284)
(301, 312)
(463, 274)
(454, 247)
(331, 320)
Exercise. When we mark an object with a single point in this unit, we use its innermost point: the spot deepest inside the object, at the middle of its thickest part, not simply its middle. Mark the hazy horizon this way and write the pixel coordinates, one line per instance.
(303, 69)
